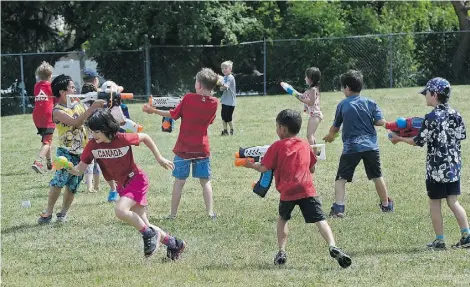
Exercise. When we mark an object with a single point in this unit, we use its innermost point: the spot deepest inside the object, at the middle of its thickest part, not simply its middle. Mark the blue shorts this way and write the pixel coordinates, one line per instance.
(201, 167)
(62, 177)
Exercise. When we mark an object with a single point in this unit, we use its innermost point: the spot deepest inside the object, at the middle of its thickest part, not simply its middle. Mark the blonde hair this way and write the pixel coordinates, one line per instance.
(227, 64)
(207, 78)
(44, 71)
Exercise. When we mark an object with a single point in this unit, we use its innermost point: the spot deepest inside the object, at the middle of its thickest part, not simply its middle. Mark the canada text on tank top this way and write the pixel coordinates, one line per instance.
(41, 96)
(110, 152)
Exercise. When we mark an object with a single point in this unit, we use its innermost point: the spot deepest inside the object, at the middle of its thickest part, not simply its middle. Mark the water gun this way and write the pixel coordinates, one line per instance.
(402, 127)
(112, 98)
(61, 162)
(132, 127)
(165, 103)
(290, 90)
(256, 154)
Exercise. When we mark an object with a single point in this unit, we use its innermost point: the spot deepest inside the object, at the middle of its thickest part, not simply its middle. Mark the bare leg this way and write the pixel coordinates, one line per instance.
(436, 216)
(67, 200)
(312, 126)
(123, 211)
(112, 185)
(326, 232)
(96, 182)
(225, 125)
(340, 191)
(231, 125)
(141, 211)
(458, 210)
(381, 189)
(52, 197)
(176, 196)
(207, 194)
(282, 233)
(45, 151)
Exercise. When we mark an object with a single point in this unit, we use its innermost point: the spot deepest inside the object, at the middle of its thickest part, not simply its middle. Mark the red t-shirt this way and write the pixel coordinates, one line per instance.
(197, 112)
(43, 104)
(291, 159)
(115, 158)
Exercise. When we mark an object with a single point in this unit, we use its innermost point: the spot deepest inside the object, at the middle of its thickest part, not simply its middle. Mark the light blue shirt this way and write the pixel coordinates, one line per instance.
(358, 114)
(229, 95)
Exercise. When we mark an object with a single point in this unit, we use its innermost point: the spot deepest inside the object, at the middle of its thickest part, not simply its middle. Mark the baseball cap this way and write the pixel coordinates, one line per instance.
(89, 74)
(438, 85)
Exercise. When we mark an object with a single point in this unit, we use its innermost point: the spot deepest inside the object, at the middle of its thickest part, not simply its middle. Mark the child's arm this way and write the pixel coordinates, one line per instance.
(151, 110)
(79, 169)
(163, 162)
(311, 99)
(64, 118)
(330, 137)
(396, 139)
(380, 123)
(256, 166)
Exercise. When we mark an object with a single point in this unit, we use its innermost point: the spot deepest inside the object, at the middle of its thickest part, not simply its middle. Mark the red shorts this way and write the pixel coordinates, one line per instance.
(135, 188)
(46, 134)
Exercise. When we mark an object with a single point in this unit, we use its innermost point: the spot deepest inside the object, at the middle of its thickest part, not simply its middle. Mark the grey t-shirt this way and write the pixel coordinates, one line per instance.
(229, 95)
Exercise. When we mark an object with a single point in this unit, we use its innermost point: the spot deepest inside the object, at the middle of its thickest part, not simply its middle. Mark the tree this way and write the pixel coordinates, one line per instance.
(461, 56)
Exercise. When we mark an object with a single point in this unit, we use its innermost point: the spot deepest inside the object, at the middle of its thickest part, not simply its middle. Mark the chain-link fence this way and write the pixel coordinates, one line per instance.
(386, 60)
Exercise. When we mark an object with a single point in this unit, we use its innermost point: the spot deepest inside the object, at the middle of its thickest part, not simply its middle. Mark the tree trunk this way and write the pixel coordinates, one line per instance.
(463, 51)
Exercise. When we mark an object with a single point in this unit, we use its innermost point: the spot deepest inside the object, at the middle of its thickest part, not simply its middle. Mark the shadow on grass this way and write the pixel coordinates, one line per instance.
(388, 250)
(254, 266)
(22, 227)
(15, 173)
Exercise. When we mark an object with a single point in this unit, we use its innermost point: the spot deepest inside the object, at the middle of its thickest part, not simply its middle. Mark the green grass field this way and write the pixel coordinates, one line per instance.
(95, 249)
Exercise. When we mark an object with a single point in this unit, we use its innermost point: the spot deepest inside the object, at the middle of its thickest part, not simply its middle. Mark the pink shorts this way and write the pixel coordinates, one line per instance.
(135, 188)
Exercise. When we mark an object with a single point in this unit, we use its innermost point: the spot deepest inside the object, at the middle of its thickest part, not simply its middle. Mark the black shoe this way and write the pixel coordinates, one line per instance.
(150, 241)
(280, 258)
(343, 259)
(224, 133)
(174, 253)
(231, 132)
(464, 242)
(437, 244)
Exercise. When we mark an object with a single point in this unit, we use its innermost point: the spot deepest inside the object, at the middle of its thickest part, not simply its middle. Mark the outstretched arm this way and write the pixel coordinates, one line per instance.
(151, 110)
(396, 139)
(79, 169)
(330, 137)
(256, 166)
(163, 162)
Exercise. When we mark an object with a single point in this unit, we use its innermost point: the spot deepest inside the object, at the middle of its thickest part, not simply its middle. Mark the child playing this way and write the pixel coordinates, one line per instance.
(197, 111)
(72, 140)
(311, 100)
(293, 161)
(92, 173)
(358, 115)
(90, 78)
(228, 99)
(113, 151)
(42, 115)
(442, 130)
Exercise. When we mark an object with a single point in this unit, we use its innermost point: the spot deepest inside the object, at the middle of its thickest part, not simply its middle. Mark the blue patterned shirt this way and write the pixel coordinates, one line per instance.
(442, 130)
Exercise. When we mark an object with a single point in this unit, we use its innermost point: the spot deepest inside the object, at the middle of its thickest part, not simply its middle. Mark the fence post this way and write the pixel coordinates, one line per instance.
(147, 66)
(22, 81)
(264, 66)
(390, 52)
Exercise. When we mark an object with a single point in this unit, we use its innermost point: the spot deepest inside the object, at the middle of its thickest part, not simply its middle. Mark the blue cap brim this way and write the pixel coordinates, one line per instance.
(423, 92)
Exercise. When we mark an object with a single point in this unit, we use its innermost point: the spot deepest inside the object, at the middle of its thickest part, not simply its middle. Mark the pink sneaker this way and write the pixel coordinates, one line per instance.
(38, 167)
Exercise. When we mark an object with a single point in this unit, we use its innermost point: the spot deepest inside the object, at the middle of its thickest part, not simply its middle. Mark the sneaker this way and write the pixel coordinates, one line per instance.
(464, 242)
(231, 132)
(280, 258)
(113, 196)
(49, 165)
(44, 218)
(61, 217)
(213, 215)
(170, 217)
(437, 244)
(174, 253)
(38, 167)
(224, 133)
(343, 259)
(151, 239)
(389, 207)
(337, 210)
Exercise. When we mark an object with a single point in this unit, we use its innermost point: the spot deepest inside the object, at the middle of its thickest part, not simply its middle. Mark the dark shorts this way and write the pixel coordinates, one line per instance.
(440, 190)
(310, 208)
(46, 134)
(227, 112)
(348, 163)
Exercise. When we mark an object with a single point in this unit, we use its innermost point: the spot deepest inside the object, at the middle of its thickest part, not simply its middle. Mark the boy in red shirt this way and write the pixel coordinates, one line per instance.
(292, 160)
(42, 115)
(197, 112)
(113, 152)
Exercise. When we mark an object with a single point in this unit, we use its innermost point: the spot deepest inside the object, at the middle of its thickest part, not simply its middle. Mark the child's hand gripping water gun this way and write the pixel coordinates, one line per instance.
(112, 98)
(61, 162)
(256, 154)
(165, 104)
(290, 90)
(408, 127)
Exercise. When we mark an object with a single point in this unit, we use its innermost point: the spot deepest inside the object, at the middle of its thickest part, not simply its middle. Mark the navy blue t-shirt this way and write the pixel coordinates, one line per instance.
(358, 114)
